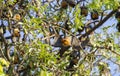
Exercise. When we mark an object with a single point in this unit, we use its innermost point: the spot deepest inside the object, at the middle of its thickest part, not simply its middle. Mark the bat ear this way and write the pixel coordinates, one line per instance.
(57, 41)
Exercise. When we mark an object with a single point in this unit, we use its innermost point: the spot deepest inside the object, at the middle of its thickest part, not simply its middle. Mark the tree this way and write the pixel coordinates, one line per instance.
(59, 37)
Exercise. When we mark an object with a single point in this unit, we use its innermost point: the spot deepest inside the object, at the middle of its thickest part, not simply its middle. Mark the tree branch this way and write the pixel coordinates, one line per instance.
(6, 46)
(99, 24)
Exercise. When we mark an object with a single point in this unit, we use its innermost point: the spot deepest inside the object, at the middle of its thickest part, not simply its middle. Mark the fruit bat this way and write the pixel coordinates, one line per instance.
(66, 43)
(94, 15)
(64, 4)
(71, 3)
(84, 11)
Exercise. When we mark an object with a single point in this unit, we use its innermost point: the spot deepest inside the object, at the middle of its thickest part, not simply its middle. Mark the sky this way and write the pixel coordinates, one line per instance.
(111, 30)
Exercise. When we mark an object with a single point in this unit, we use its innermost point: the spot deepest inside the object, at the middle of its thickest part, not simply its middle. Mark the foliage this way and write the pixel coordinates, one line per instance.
(48, 38)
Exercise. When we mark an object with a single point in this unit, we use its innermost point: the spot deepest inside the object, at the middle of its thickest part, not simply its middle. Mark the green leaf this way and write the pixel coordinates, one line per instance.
(1, 69)
(45, 73)
(3, 62)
